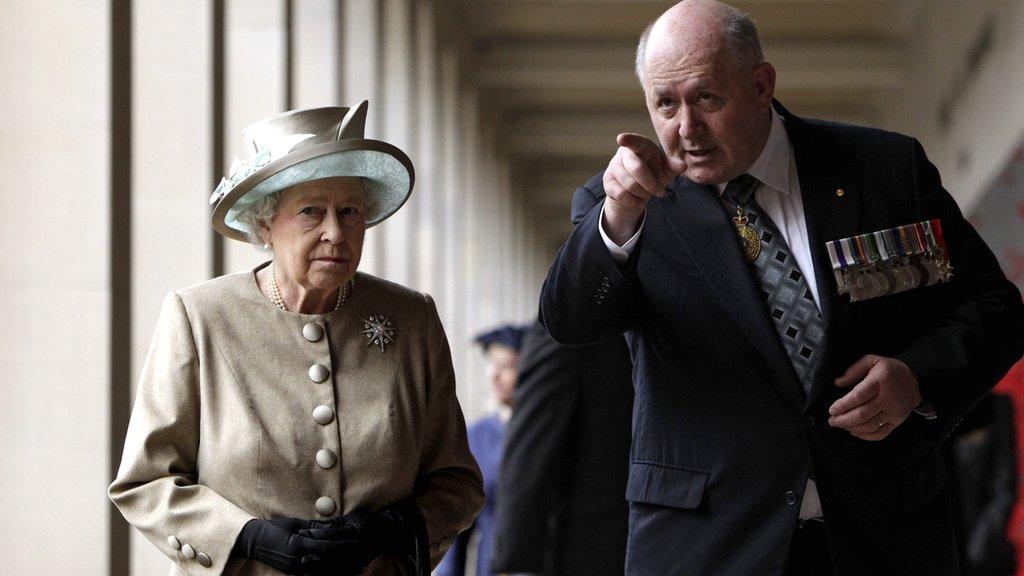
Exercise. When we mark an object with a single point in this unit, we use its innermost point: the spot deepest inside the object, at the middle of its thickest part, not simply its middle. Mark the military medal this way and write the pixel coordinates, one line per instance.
(748, 236)
(890, 261)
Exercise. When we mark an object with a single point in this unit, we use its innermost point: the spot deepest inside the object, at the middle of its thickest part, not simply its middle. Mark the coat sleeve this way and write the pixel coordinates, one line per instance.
(980, 334)
(536, 450)
(586, 297)
(156, 487)
(454, 563)
(449, 488)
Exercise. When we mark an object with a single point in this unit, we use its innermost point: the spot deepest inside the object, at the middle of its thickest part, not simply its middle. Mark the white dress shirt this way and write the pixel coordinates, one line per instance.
(778, 195)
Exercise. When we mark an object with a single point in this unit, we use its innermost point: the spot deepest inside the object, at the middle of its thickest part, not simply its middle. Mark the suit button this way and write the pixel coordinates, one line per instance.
(318, 373)
(326, 459)
(325, 506)
(173, 542)
(323, 415)
(204, 560)
(312, 332)
(188, 551)
(792, 498)
(809, 422)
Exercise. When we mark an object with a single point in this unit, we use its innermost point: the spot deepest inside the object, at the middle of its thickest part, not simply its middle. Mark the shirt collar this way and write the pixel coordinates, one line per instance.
(772, 166)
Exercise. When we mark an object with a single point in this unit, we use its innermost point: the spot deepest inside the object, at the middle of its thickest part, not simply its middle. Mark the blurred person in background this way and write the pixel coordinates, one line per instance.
(982, 469)
(1012, 388)
(486, 441)
(561, 508)
(301, 417)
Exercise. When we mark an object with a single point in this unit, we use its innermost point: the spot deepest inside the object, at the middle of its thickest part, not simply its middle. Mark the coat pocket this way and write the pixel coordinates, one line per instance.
(665, 485)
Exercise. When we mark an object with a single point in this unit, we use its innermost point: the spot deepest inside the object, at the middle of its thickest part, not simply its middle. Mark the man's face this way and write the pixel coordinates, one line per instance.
(707, 109)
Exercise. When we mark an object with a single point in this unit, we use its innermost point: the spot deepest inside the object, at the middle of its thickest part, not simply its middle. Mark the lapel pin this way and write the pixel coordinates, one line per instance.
(840, 192)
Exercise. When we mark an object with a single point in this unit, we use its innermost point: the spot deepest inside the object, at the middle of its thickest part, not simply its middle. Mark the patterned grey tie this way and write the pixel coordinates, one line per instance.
(788, 300)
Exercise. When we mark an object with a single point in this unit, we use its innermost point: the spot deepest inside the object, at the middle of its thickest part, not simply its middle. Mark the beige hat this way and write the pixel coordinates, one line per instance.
(305, 145)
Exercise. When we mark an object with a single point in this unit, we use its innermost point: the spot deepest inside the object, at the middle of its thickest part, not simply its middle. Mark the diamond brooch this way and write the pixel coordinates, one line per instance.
(379, 331)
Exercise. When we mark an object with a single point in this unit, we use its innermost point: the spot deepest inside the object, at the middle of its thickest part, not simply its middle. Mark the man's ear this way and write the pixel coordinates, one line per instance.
(764, 81)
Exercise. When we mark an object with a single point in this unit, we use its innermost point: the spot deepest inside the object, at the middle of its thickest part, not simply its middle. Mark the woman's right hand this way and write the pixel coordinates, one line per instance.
(277, 544)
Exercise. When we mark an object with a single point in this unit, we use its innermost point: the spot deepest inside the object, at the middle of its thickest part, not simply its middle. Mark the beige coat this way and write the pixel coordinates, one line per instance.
(223, 430)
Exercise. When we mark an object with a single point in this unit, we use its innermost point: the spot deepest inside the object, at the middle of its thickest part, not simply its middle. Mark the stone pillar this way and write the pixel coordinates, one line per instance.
(362, 61)
(428, 238)
(255, 87)
(172, 167)
(397, 103)
(316, 57)
(55, 415)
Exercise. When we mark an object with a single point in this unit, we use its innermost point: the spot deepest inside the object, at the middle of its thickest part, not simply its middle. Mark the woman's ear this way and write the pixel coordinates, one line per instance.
(264, 231)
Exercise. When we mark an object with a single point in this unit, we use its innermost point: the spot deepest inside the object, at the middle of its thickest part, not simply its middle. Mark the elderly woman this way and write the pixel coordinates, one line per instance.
(301, 417)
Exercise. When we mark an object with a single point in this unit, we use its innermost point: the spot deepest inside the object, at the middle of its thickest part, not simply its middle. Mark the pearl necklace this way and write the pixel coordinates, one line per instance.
(275, 294)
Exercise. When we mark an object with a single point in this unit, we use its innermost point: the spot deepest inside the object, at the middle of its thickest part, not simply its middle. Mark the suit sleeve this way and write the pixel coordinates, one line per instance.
(156, 487)
(586, 297)
(449, 489)
(536, 449)
(972, 343)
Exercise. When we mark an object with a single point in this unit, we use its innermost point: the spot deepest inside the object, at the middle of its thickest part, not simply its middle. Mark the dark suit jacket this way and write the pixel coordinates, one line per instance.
(723, 438)
(561, 506)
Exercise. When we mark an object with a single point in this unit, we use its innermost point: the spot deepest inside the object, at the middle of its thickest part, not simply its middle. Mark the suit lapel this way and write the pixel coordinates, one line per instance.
(698, 219)
(829, 214)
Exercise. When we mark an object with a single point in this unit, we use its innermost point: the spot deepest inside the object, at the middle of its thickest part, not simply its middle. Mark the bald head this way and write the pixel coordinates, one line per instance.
(707, 24)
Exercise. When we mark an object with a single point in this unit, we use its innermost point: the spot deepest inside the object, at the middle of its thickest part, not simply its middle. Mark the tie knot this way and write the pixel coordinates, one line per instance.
(740, 189)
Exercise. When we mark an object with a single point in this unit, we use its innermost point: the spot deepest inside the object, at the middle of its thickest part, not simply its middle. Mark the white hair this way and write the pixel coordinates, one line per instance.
(260, 214)
(738, 33)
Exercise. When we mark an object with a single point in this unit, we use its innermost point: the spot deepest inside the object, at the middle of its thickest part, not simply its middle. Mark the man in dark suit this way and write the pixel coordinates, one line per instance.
(779, 427)
(561, 509)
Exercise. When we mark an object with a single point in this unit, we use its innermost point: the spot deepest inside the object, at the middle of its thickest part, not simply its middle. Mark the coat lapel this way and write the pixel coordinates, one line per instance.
(698, 219)
(829, 215)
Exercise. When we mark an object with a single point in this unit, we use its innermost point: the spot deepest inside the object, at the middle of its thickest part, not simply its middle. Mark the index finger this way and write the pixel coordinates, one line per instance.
(641, 145)
(327, 537)
(645, 149)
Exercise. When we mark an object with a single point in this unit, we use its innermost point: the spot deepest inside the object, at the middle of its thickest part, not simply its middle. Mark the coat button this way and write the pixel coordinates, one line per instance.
(323, 415)
(312, 332)
(188, 551)
(792, 498)
(326, 459)
(809, 422)
(318, 373)
(204, 560)
(325, 506)
(173, 542)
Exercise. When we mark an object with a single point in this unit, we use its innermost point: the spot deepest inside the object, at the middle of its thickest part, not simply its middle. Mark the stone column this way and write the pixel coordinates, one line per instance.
(55, 132)
(171, 185)
(255, 87)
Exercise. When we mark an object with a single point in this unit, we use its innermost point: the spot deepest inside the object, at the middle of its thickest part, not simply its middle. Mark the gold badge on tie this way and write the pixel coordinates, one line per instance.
(748, 236)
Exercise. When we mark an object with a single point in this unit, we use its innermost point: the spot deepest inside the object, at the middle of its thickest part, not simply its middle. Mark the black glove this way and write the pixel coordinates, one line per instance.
(397, 530)
(277, 544)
